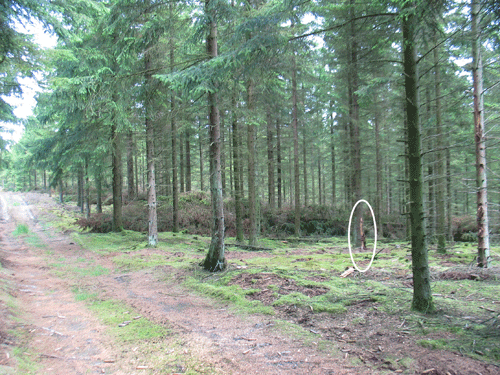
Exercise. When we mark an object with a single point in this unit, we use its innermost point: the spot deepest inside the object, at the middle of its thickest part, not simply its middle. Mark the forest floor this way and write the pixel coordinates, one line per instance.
(79, 303)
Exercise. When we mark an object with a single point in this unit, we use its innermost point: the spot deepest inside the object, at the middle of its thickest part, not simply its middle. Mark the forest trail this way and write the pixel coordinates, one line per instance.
(61, 335)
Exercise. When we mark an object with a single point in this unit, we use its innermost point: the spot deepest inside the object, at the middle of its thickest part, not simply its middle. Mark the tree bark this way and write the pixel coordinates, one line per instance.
(117, 178)
(439, 181)
(278, 161)
(252, 193)
(188, 159)
(150, 156)
(354, 126)
(87, 188)
(378, 168)
(332, 151)
(237, 162)
(130, 166)
(295, 147)
(215, 259)
(200, 151)
(79, 184)
(98, 187)
(483, 245)
(422, 296)
(270, 161)
(173, 130)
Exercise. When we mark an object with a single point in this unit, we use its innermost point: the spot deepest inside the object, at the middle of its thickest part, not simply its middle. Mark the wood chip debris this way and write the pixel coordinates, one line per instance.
(52, 331)
(428, 371)
(248, 338)
(347, 272)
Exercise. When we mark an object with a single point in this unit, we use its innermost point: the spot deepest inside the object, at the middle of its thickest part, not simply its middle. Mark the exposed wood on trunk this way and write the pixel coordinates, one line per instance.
(483, 246)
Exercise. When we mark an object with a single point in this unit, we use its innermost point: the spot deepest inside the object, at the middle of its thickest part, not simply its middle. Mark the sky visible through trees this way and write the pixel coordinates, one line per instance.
(296, 112)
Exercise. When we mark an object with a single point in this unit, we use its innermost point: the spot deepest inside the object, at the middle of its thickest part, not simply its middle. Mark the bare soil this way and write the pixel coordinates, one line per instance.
(63, 336)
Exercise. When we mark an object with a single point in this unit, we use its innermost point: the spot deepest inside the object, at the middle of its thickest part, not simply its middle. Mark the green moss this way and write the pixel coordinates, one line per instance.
(124, 323)
(230, 293)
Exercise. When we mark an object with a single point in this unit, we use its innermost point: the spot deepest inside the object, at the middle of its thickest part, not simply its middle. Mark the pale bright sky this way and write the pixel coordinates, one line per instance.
(24, 105)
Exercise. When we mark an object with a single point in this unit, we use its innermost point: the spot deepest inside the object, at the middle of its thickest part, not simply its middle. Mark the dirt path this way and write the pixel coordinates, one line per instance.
(45, 330)
(64, 337)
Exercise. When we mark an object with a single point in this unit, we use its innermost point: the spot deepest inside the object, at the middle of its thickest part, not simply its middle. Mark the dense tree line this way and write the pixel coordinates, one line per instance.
(275, 104)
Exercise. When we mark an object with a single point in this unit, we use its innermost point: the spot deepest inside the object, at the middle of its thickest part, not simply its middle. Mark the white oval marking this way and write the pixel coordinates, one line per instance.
(349, 235)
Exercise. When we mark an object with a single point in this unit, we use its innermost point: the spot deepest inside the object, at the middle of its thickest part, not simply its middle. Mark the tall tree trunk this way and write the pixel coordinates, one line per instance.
(150, 156)
(87, 188)
(136, 168)
(130, 166)
(238, 191)
(117, 178)
(61, 190)
(200, 149)
(483, 245)
(439, 181)
(430, 171)
(332, 151)
(79, 184)
(215, 260)
(252, 193)
(296, 169)
(182, 188)
(173, 130)
(422, 296)
(278, 161)
(270, 160)
(320, 183)
(188, 159)
(223, 155)
(304, 166)
(378, 169)
(354, 126)
(449, 229)
(98, 187)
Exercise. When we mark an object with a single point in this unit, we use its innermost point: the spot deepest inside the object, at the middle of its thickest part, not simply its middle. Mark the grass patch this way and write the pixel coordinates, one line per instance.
(97, 270)
(21, 229)
(25, 362)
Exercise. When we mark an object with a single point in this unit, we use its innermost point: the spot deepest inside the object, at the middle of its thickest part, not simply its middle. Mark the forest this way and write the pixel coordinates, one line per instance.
(263, 118)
